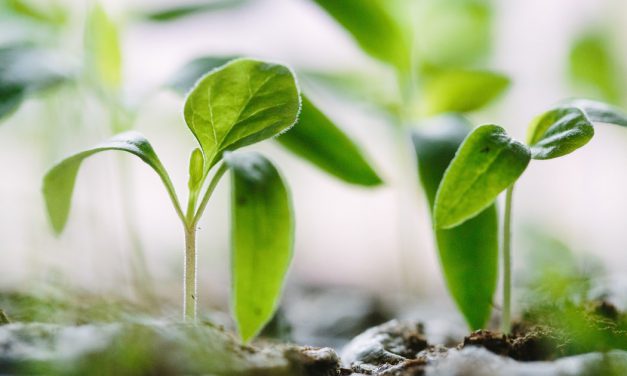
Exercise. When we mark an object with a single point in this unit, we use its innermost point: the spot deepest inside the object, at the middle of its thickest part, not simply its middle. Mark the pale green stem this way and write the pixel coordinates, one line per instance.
(507, 262)
(190, 291)
(212, 186)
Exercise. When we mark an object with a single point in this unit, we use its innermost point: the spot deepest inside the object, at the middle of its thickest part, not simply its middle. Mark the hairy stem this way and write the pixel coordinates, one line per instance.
(190, 287)
(507, 262)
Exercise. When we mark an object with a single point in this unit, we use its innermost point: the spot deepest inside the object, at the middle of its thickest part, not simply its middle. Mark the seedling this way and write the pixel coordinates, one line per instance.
(489, 162)
(241, 103)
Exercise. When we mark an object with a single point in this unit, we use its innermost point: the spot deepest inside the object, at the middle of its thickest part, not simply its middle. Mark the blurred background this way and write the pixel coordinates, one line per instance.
(375, 238)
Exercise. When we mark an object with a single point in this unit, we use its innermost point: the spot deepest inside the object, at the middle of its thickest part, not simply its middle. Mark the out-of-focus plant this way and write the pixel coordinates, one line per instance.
(434, 49)
(241, 103)
(595, 69)
(28, 70)
(489, 162)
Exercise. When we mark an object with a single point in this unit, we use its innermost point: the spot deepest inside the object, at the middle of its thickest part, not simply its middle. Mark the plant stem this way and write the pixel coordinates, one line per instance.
(190, 287)
(507, 262)
(205, 199)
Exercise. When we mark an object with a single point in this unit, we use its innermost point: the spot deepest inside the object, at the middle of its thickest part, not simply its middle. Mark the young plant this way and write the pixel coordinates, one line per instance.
(489, 162)
(241, 103)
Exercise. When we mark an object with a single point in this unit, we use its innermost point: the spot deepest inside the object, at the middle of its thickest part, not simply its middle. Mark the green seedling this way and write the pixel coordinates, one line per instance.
(489, 162)
(241, 103)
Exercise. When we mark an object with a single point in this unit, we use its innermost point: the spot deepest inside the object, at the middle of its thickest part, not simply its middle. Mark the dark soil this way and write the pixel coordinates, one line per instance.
(536, 343)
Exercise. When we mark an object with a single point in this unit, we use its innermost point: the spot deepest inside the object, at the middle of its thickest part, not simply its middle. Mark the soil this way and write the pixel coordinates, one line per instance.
(548, 341)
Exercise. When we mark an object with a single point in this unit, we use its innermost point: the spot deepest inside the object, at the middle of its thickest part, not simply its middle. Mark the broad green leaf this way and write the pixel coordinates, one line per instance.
(58, 184)
(102, 46)
(594, 68)
(469, 252)
(461, 91)
(185, 78)
(27, 71)
(262, 236)
(487, 163)
(241, 103)
(600, 112)
(316, 138)
(559, 132)
(374, 29)
(185, 10)
(321, 142)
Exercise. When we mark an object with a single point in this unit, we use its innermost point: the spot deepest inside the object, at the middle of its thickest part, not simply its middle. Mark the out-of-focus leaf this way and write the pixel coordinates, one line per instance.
(374, 29)
(185, 10)
(600, 112)
(102, 48)
(321, 142)
(469, 252)
(244, 102)
(452, 33)
(26, 71)
(378, 89)
(49, 12)
(58, 184)
(185, 78)
(461, 91)
(487, 163)
(559, 132)
(594, 68)
(263, 237)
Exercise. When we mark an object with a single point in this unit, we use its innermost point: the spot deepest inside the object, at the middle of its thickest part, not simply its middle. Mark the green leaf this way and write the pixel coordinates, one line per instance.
(593, 67)
(321, 142)
(102, 46)
(185, 78)
(600, 112)
(461, 91)
(241, 103)
(181, 11)
(487, 163)
(27, 71)
(58, 184)
(469, 252)
(374, 29)
(559, 132)
(263, 237)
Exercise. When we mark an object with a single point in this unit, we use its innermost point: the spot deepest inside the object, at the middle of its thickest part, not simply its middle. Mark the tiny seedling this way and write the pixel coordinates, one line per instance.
(489, 162)
(238, 104)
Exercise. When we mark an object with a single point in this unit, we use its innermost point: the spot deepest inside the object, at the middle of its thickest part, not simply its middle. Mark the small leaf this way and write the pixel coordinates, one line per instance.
(185, 78)
(263, 236)
(58, 184)
(321, 142)
(196, 169)
(559, 132)
(374, 29)
(27, 71)
(487, 163)
(241, 103)
(594, 68)
(461, 91)
(469, 252)
(600, 112)
(103, 51)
